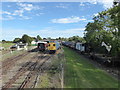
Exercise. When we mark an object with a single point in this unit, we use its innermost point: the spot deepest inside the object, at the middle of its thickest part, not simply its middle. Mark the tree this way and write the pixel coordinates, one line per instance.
(26, 39)
(38, 37)
(106, 27)
(49, 38)
(16, 40)
(3, 41)
(44, 39)
(76, 39)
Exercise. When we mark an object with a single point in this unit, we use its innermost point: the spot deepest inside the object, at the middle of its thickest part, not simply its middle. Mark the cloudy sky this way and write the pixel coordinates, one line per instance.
(48, 19)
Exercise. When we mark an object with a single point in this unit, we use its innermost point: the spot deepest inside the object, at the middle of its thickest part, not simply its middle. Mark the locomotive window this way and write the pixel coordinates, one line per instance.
(49, 44)
(83, 45)
(53, 44)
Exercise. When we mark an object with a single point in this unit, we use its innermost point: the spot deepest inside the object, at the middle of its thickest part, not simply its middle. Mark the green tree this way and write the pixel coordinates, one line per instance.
(26, 39)
(16, 40)
(106, 27)
(76, 39)
(49, 38)
(38, 37)
(3, 41)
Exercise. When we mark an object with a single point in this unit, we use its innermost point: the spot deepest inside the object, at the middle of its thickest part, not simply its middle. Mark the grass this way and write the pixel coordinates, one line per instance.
(7, 45)
(79, 73)
(9, 55)
(44, 81)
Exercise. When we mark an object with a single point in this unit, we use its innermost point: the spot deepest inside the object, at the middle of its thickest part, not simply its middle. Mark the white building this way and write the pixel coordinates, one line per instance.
(19, 46)
(33, 42)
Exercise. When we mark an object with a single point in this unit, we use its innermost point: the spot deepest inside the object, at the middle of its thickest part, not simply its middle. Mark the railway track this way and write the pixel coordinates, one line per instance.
(33, 67)
(8, 63)
(33, 75)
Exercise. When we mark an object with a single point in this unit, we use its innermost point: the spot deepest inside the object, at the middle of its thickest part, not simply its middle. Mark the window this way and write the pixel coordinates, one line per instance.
(53, 44)
(21, 46)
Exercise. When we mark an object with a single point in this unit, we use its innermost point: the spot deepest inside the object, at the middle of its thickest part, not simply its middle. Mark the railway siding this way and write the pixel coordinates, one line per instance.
(29, 71)
(80, 73)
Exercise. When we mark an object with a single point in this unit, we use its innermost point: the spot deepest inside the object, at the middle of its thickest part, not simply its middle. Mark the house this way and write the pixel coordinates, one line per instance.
(33, 43)
(19, 46)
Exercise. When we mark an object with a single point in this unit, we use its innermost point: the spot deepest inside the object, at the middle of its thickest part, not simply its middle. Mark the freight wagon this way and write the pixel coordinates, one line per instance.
(80, 47)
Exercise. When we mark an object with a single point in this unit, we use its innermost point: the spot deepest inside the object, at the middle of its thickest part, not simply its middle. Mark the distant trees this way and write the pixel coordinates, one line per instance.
(4, 41)
(73, 38)
(76, 39)
(27, 39)
(61, 38)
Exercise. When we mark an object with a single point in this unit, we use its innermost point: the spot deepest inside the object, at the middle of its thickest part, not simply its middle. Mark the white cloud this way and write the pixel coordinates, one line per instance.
(28, 7)
(39, 14)
(8, 6)
(88, 20)
(62, 6)
(25, 17)
(5, 12)
(72, 19)
(18, 12)
(96, 14)
(22, 8)
(7, 18)
(105, 3)
(81, 4)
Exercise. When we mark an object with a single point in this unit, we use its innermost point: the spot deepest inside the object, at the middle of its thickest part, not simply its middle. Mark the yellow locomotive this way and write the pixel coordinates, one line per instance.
(53, 46)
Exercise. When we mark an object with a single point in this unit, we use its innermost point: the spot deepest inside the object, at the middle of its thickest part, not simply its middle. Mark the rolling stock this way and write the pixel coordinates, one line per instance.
(42, 46)
(85, 48)
(80, 46)
(75, 45)
(53, 46)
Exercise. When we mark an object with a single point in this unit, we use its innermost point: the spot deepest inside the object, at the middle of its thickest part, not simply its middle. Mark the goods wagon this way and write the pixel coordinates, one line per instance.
(69, 44)
(80, 46)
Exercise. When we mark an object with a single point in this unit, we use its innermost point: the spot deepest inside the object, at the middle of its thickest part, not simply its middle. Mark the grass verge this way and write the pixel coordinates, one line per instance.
(7, 45)
(80, 73)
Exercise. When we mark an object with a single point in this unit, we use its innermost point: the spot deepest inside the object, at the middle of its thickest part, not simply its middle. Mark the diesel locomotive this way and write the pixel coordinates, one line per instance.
(49, 46)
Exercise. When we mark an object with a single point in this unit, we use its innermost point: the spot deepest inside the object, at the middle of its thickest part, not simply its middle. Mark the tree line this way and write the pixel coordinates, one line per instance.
(27, 39)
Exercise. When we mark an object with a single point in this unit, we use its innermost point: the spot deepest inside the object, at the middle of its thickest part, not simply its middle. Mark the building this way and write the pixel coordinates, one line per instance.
(19, 46)
(34, 43)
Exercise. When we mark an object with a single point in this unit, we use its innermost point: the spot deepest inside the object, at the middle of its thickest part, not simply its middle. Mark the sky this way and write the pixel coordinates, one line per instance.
(48, 19)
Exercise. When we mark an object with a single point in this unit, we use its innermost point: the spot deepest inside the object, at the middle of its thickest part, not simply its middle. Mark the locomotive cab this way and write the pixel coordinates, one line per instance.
(53, 47)
(42, 46)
